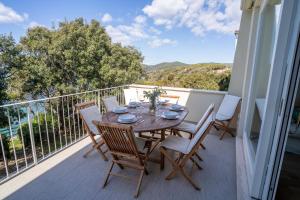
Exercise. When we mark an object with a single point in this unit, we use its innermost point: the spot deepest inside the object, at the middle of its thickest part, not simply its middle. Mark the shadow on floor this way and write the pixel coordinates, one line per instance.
(81, 178)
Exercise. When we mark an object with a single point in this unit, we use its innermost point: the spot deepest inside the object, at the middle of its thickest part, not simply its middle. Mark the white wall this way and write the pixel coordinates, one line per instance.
(197, 101)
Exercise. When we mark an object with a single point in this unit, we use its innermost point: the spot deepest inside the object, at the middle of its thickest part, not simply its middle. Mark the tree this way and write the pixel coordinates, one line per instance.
(11, 60)
(76, 56)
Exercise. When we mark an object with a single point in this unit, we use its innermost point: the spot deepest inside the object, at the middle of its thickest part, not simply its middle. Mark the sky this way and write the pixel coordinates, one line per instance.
(189, 31)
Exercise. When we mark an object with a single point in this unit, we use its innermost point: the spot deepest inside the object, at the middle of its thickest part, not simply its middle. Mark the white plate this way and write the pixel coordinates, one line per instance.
(162, 102)
(120, 110)
(163, 116)
(180, 109)
(170, 115)
(127, 122)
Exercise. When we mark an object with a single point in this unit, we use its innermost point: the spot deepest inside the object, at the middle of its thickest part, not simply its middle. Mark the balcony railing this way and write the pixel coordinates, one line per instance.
(38, 129)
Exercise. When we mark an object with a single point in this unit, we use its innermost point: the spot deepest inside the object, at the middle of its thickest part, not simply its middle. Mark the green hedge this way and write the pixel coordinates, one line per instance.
(40, 119)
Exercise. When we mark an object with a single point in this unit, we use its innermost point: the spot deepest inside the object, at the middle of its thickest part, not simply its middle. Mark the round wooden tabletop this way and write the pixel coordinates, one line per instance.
(148, 121)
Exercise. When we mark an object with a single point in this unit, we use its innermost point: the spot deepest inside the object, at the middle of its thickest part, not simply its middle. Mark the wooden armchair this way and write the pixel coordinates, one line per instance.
(191, 128)
(110, 103)
(125, 148)
(186, 148)
(225, 114)
(88, 112)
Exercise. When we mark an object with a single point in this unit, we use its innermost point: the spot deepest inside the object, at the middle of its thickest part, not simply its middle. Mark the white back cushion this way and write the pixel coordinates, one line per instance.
(130, 95)
(200, 132)
(89, 114)
(209, 110)
(110, 103)
(227, 107)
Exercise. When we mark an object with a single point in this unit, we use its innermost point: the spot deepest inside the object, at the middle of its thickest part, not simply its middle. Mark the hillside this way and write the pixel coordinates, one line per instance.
(164, 65)
(210, 76)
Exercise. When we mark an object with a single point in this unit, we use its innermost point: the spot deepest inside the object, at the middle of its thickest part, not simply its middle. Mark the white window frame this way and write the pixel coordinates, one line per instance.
(257, 164)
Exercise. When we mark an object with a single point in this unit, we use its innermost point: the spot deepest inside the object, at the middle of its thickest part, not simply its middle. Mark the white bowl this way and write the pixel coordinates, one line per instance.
(170, 115)
(176, 107)
(133, 104)
(120, 110)
(128, 118)
(164, 101)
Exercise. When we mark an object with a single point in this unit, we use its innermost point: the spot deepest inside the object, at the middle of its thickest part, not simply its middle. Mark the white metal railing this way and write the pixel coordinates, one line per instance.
(38, 129)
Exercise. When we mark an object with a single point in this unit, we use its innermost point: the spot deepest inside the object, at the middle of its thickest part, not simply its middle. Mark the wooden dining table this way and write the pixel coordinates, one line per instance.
(149, 121)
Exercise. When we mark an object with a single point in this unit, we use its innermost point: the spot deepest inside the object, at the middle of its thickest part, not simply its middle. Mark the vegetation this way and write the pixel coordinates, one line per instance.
(73, 57)
(210, 76)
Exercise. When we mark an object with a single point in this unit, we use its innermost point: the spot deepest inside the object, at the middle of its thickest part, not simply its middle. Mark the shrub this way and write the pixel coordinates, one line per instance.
(36, 121)
(5, 141)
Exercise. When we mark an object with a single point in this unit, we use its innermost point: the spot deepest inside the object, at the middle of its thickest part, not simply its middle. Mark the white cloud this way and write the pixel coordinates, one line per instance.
(35, 24)
(118, 36)
(154, 30)
(106, 18)
(8, 15)
(157, 42)
(127, 34)
(200, 16)
(140, 19)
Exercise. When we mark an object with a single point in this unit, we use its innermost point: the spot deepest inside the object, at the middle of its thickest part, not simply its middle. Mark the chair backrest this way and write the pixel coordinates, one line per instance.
(202, 132)
(172, 98)
(119, 138)
(130, 94)
(227, 107)
(209, 110)
(88, 112)
(110, 103)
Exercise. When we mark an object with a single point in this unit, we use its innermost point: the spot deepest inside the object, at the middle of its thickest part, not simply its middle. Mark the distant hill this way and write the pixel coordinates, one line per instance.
(164, 65)
(209, 76)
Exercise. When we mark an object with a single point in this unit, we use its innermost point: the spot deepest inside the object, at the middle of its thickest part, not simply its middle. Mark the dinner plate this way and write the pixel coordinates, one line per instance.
(127, 122)
(163, 116)
(120, 110)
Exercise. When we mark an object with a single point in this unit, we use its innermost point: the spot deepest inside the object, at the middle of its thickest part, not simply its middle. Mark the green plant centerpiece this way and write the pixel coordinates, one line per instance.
(152, 95)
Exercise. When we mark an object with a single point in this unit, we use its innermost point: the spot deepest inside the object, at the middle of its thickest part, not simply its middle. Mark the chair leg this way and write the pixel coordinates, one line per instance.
(197, 165)
(102, 154)
(174, 164)
(88, 152)
(189, 179)
(203, 147)
(108, 174)
(139, 184)
(222, 135)
(197, 155)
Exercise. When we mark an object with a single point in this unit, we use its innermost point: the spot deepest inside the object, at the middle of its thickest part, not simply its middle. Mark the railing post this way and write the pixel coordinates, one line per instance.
(31, 136)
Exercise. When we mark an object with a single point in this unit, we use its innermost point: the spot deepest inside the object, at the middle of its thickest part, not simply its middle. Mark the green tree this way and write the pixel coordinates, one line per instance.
(73, 57)
(11, 60)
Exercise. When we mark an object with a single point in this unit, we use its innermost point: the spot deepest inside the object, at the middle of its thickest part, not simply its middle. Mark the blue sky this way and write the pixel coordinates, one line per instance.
(190, 31)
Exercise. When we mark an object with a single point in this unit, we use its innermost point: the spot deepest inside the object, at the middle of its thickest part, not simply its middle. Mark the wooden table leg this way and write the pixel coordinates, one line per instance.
(162, 157)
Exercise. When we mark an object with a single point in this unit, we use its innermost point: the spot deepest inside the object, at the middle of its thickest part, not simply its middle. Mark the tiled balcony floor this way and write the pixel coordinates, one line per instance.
(81, 178)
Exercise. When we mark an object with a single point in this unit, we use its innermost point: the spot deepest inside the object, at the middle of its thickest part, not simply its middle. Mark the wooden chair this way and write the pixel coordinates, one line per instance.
(225, 114)
(110, 103)
(125, 148)
(88, 112)
(191, 128)
(186, 148)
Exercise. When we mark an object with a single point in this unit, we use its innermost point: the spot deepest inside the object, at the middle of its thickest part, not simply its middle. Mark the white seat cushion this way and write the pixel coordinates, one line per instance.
(186, 127)
(140, 143)
(89, 114)
(110, 103)
(176, 143)
(227, 107)
(221, 117)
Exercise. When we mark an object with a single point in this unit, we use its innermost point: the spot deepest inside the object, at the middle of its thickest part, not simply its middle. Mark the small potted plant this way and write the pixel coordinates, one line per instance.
(153, 95)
